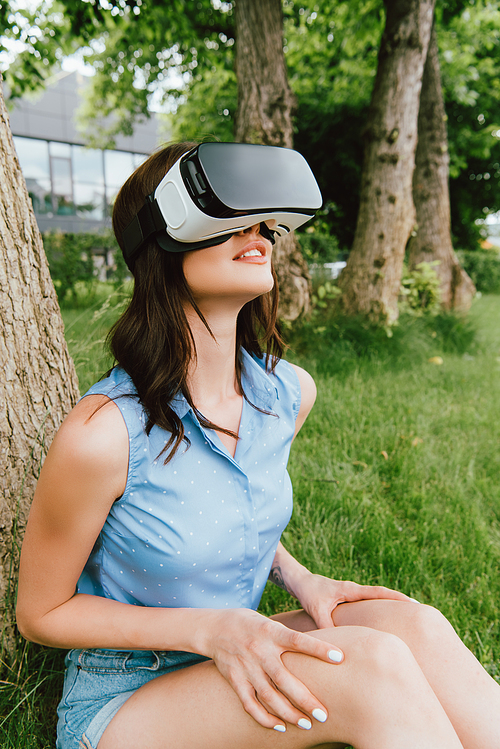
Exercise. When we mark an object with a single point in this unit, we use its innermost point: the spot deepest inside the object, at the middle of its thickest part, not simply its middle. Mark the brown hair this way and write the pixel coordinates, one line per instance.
(152, 339)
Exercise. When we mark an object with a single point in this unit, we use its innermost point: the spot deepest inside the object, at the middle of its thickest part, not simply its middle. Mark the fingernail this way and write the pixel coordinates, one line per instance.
(335, 656)
(280, 728)
(319, 714)
(414, 600)
(304, 723)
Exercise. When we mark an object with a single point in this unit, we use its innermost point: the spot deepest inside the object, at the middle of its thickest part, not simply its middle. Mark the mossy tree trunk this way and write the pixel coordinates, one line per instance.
(431, 195)
(39, 383)
(371, 280)
(264, 115)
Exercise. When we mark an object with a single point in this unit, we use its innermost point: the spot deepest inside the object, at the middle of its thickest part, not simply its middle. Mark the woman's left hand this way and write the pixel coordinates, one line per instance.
(319, 596)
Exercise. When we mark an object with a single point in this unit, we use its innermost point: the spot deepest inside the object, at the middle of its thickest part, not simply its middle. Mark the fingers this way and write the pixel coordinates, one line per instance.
(379, 591)
(299, 706)
(301, 642)
(321, 610)
(280, 701)
(323, 618)
(268, 691)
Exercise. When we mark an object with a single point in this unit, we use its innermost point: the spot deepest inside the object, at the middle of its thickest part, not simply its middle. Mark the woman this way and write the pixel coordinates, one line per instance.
(156, 522)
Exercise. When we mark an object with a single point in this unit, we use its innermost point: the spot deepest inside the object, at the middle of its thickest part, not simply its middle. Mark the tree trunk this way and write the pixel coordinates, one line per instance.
(371, 280)
(264, 115)
(39, 382)
(431, 191)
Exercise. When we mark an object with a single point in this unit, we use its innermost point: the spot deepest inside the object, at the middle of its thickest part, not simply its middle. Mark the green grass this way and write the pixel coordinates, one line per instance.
(87, 325)
(395, 478)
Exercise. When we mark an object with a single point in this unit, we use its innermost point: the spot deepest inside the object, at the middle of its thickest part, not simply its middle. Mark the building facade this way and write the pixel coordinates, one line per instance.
(72, 187)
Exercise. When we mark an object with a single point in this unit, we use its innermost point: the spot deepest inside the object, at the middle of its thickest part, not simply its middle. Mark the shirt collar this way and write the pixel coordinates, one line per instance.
(258, 386)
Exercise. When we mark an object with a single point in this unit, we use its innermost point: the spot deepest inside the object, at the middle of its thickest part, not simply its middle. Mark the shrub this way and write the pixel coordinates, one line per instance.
(484, 269)
(318, 246)
(420, 294)
(70, 258)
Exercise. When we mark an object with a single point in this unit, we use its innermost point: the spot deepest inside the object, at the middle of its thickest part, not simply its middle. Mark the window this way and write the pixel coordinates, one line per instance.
(33, 157)
(72, 180)
(88, 182)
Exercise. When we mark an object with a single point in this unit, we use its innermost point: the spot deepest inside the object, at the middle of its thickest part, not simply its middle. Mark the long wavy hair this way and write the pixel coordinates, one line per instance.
(152, 340)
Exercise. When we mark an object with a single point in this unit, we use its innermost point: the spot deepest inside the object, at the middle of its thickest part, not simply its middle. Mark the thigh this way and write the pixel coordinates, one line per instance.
(382, 614)
(197, 707)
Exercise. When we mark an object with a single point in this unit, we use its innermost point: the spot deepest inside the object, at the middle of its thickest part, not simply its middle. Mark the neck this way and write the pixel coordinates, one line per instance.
(212, 373)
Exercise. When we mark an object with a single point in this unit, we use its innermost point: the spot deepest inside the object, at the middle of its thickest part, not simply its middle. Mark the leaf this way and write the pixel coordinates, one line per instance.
(360, 463)
(435, 360)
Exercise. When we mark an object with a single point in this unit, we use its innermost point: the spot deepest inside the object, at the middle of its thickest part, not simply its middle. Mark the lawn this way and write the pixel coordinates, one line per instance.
(395, 478)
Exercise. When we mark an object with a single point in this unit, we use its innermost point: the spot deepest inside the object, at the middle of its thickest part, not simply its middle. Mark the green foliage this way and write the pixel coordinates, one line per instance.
(342, 46)
(317, 244)
(420, 292)
(71, 263)
(325, 294)
(469, 43)
(209, 105)
(181, 53)
(87, 323)
(138, 50)
(30, 689)
(483, 268)
(339, 345)
(339, 41)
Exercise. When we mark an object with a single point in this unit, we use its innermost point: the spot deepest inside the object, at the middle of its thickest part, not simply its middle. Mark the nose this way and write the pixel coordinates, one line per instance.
(255, 229)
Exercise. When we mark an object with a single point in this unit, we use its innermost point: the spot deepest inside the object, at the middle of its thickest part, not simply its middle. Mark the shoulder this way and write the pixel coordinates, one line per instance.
(308, 394)
(91, 445)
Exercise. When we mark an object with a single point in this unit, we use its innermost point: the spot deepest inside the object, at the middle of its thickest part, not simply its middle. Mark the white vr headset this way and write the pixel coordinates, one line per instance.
(218, 189)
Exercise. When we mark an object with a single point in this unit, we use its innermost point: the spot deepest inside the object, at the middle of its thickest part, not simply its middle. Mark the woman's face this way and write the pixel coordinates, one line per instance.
(234, 272)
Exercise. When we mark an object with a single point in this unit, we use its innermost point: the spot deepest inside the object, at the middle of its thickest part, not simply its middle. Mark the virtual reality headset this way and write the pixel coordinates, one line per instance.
(218, 189)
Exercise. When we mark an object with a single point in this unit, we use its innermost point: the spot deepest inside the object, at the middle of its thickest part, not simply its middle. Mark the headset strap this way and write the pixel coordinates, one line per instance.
(146, 222)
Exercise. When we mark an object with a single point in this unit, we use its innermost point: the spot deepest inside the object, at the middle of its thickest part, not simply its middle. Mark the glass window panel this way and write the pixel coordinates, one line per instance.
(33, 157)
(118, 165)
(64, 205)
(87, 165)
(61, 177)
(60, 149)
(39, 192)
(89, 200)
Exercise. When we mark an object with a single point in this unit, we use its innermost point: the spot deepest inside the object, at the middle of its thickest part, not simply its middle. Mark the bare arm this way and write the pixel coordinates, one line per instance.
(84, 472)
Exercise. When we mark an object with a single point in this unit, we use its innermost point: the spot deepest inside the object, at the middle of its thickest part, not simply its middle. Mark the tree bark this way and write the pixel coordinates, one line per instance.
(431, 191)
(264, 115)
(39, 383)
(371, 280)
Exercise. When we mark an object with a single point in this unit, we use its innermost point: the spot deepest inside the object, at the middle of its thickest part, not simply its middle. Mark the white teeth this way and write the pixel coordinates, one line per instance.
(252, 253)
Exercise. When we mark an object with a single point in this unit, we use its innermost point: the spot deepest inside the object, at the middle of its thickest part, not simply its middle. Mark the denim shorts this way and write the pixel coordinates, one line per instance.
(98, 682)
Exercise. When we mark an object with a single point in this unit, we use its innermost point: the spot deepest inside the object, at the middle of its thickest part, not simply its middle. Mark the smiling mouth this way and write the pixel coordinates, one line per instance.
(257, 250)
(251, 253)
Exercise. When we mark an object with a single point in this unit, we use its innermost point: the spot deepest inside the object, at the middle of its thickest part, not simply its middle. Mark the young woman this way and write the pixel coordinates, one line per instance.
(156, 523)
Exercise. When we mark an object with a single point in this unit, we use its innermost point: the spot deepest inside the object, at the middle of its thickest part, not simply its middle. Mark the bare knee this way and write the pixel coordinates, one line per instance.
(371, 655)
(426, 627)
(375, 683)
(381, 657)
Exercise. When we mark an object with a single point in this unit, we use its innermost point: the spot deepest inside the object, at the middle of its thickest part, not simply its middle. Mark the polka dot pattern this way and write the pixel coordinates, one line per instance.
(203, 530)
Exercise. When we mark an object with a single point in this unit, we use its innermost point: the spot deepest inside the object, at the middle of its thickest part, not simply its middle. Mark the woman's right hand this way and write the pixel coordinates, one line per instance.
(247, 648)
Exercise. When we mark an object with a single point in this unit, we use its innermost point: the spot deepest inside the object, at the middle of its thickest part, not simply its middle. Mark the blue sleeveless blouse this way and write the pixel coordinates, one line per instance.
(201, 531)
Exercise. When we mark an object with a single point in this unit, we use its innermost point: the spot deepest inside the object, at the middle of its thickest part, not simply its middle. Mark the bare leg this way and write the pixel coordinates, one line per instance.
(470, 697)
(377, 699)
